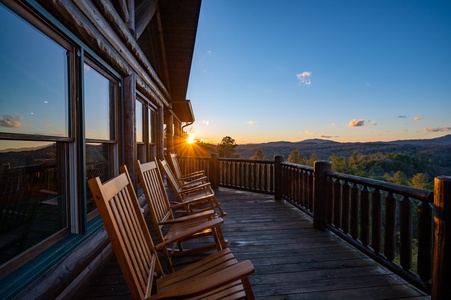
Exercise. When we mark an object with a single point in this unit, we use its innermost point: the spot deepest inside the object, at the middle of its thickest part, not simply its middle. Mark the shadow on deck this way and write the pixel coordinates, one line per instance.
(291, 259)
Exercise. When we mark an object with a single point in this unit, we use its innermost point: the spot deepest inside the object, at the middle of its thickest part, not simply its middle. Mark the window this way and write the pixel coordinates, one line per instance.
(35, 139)
(145, 129)
(100, 98)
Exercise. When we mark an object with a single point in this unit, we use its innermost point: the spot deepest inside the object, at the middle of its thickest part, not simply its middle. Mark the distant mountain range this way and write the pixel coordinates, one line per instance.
(324, 148)
(444, 140)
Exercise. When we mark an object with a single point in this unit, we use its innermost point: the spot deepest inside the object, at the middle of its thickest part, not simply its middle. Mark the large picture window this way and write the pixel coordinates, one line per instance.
(35, 138)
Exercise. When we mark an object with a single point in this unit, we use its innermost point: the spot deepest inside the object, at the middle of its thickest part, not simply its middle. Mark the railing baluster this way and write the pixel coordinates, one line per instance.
(303, 194)
(337, 203)
(390, 226)
(405, 231)
(355, 211)
(255, 169)
(293, 184)
(425, 240)
(272, 179)
(346, 204)
(330, 200)
(365, 215)
(376, 238)
(298, 186)
(310, 191)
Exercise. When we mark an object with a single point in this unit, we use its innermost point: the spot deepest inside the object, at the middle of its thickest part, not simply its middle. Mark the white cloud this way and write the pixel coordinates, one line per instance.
(356, 123)
(417, 119)
(304, 78)
(206, 122)
(11, 121)
(437, 129)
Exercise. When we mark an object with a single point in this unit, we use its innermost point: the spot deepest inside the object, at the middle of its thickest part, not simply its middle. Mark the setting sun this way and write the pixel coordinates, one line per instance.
(190, 140)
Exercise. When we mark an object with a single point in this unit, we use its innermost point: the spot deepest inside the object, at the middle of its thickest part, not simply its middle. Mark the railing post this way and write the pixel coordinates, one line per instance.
(441, 272)
(214, 171)
(278, 159)
(321, 168)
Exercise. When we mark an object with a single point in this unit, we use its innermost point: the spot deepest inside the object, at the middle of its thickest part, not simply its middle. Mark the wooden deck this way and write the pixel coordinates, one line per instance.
(291, 259)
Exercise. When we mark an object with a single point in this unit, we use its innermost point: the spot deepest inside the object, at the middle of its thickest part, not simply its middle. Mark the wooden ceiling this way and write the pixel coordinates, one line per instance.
(179, 20)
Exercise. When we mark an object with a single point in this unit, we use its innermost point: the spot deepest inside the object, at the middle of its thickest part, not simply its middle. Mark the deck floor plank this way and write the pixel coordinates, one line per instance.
(291, 259)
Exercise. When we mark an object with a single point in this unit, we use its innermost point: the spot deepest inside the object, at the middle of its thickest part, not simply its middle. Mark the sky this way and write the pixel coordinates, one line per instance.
(348, 71)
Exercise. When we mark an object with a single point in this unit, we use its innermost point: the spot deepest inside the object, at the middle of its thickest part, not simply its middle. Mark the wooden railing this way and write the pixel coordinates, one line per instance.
(250, 175)
(296, 183)
(388, 222)
(190, 164)
(391, 223)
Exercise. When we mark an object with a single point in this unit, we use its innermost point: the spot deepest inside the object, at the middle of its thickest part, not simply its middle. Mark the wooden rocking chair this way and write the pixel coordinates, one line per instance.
(189, 192)
(217, 276)
(202, 224)
(185, 178)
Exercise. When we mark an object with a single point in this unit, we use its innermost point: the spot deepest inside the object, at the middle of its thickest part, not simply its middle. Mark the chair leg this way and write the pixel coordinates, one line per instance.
(218, 205)
(248, 288)
(221, 243)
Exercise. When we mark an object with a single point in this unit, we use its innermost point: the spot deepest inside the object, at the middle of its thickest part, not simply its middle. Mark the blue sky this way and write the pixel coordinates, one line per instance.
(349, 71)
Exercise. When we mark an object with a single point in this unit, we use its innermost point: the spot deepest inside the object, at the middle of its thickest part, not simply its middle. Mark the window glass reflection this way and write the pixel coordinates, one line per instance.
(98, 91)
(32, 201)
(139, 121)
(33, 83)
(97, 165)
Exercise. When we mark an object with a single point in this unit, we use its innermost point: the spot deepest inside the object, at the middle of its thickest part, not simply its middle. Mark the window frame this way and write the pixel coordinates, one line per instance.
(147, 149)
(113, 143)
(65, 143)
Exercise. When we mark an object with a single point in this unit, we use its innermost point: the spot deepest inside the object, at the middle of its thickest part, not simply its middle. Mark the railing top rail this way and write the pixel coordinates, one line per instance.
(298, 166)
(260, 161)
(407, 191)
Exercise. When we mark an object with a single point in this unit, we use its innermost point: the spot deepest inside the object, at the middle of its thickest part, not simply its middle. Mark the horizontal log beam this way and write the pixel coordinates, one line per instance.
(143, 15)
(96, 17)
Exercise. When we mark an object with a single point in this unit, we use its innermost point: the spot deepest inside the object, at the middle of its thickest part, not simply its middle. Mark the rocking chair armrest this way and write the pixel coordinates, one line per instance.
(198, 286)
(208, 215)
(188, 189)
(195, 183)
(200, 199)
(193, 176)
(193, 230)
(191, 201)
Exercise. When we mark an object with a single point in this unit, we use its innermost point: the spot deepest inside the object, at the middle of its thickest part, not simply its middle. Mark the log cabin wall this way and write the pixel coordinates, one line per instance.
(139, 53)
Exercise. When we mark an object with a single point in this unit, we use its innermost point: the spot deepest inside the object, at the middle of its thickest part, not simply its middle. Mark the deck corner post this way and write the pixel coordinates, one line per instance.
(214, 171)
(321, 168)
(441, 270)
(278, 182)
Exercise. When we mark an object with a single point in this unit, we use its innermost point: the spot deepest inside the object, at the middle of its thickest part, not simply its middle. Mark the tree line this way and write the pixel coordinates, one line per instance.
(392, 167)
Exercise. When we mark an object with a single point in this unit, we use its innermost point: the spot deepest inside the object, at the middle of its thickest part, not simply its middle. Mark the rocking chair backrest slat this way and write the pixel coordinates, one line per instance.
(154, 189)
(170, 175)
(176, 166)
